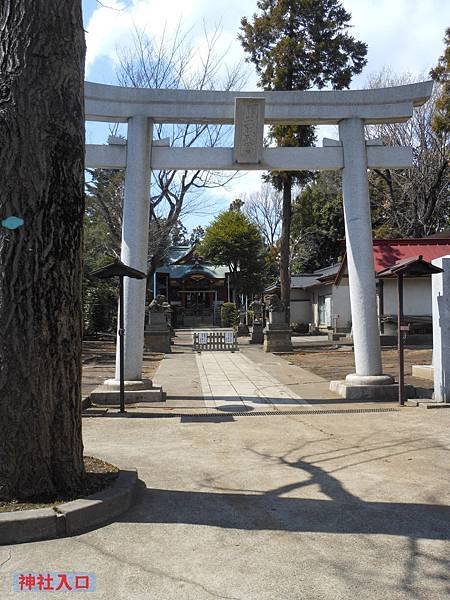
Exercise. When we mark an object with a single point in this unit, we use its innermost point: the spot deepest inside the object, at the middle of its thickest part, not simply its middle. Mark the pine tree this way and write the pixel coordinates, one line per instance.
(299, 45)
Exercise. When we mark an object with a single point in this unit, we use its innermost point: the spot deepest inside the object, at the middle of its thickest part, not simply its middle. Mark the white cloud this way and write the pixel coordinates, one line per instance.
(111, 27)
(405, 35)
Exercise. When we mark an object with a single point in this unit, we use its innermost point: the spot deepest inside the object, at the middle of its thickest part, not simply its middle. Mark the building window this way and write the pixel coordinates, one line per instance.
(325, 310)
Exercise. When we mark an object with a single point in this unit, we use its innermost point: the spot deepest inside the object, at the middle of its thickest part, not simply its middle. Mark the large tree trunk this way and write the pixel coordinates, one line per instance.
(285, 275)
(41, 180)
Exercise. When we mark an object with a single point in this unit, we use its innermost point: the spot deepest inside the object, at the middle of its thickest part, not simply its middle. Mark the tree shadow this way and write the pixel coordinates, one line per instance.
(343, 512)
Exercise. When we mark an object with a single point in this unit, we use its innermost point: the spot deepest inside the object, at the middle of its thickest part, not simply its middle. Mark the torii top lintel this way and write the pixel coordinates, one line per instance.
(384, 105)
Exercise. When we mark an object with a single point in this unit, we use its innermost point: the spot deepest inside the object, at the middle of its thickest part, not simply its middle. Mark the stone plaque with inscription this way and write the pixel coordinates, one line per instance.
(248, 130)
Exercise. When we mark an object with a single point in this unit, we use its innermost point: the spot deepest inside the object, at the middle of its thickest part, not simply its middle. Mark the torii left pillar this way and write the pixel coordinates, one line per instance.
(136, 212)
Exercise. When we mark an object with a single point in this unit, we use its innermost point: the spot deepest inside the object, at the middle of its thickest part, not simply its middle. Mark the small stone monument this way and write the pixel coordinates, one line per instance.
(242, 326)
(277, 334)
(157, 332)
(257, 333)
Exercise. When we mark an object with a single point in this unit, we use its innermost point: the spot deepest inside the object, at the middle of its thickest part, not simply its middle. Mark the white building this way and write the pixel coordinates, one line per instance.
(322, 298)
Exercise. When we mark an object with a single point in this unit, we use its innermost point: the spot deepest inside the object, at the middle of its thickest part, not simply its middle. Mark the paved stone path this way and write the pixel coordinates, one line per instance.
(247, 381)
(232, 382)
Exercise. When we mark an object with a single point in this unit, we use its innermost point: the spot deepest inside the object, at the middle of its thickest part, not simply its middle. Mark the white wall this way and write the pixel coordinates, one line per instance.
(341, 306)
(416, 296)
(416, 299)
(301, 310)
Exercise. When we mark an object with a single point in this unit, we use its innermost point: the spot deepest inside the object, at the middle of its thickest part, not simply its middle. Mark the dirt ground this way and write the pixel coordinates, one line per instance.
(99, 358)
(337, 363)
(99, 475)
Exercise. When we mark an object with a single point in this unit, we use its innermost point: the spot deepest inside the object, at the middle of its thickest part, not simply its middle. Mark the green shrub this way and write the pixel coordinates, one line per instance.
(99, 306)
(229, 315)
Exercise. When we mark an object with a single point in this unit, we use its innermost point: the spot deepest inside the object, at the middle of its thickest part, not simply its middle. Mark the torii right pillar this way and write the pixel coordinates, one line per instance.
(369, 382)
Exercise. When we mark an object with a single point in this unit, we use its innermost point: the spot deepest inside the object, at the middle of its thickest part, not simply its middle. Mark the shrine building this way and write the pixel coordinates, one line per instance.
(194, 287)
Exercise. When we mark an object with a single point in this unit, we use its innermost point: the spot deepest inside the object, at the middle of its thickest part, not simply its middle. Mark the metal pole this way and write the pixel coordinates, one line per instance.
(121, 333)
(401, 367)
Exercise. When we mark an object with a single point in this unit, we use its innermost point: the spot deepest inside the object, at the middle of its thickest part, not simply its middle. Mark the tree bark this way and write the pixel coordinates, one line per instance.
(41, 180)
(285, 275)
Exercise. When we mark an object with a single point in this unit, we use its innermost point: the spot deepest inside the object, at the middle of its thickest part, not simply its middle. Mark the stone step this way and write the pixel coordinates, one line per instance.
(104, 396)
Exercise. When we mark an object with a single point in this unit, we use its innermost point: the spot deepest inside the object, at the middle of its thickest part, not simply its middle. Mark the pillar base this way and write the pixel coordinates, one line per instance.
(135, 392)
(138, 384)
(354, 379)
(277, 340)
(157, 340)
(369, 388)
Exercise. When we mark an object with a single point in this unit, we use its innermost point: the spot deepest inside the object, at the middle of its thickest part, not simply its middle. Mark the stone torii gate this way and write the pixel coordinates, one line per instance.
(249, 111)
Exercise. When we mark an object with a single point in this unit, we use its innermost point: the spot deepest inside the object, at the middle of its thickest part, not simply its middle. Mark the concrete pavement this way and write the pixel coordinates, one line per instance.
(267, 508)
(334, 505)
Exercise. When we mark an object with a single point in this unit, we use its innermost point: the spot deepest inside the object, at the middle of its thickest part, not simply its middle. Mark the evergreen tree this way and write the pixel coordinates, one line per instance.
(197, 234)
(317, 224)
(104, 205)
(102, 240)
(440, 73)
(233, 240)
(298, 45)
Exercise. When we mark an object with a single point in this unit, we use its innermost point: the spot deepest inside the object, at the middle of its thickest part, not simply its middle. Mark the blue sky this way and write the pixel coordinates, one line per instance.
(402, 35)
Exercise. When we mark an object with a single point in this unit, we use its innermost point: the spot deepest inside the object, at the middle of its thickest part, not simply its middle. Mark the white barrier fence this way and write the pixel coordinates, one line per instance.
(215, 340)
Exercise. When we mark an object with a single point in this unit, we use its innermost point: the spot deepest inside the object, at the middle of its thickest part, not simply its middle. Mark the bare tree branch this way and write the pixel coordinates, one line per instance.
(264, 208)
(415, 200)
(174, 62)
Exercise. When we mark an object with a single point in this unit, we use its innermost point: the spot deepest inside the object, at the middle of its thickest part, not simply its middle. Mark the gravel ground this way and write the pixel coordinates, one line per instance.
(99, 359)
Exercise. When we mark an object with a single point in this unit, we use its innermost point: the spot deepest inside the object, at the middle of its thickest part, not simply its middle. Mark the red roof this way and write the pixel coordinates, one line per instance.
(388, 252)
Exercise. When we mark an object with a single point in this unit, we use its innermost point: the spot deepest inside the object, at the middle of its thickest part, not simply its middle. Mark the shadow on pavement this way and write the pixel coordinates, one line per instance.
(270, 512)
(343, 513)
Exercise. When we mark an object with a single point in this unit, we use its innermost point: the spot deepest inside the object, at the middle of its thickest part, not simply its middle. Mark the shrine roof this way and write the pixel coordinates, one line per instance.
(181, 262)
(310, 279)
(388, 252)
(307, 280)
